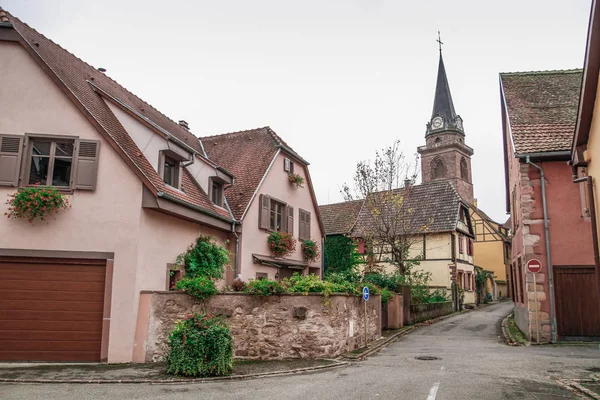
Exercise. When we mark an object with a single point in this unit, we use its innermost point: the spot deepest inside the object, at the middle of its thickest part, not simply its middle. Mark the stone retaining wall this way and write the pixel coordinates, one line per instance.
(268, 328)
(422, 312)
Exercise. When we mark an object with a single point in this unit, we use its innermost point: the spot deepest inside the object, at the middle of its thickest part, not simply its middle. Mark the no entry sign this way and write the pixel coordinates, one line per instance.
(534, 266)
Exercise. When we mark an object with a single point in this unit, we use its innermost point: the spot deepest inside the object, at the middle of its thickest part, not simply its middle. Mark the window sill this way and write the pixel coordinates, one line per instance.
(62, 190)
(174, 188)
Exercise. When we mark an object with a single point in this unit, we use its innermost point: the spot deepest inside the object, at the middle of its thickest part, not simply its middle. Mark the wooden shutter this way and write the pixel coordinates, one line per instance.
(86, 164)
(460, 244)
(264, 212)
(304, 225)
(290, 219)
(11, 151)
(307, 226)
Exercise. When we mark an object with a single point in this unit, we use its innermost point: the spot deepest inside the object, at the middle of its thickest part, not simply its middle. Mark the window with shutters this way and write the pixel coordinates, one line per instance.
(304, 225)
(63, 162)
(460, 244)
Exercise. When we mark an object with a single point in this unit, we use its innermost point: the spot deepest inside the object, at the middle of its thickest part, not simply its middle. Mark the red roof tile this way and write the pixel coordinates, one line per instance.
(75, 75)
(542, 108)
(339, 218)
(247, 155)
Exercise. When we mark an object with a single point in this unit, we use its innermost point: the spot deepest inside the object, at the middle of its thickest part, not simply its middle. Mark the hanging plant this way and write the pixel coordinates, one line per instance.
(281, 243)
(296, 179)
(36, 202)
(310, 250)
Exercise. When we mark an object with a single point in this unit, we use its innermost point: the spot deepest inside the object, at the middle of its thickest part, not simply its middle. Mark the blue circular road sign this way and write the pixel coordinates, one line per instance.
(366, 293)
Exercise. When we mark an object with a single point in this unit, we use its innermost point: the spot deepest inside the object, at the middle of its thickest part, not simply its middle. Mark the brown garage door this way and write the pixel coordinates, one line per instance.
(51, 310)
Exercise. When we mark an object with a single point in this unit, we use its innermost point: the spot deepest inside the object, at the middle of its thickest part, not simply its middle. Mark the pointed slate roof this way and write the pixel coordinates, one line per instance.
(442, 103)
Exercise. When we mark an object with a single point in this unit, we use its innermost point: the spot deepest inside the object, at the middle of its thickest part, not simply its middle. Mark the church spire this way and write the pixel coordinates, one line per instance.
(443, 116)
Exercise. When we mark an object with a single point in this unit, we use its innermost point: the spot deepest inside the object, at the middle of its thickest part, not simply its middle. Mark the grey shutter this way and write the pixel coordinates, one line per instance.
(264, 212)
(290, 219)
(302, 225)
(11, 151)
(86, 164)
(307, 226)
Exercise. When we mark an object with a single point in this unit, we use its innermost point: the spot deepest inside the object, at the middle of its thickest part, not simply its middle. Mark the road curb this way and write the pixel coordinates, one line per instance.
(509, 339)
(336, 364)
(575, 386)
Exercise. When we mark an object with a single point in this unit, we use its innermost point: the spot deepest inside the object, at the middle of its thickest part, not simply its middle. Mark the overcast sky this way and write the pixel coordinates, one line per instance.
(336, 79)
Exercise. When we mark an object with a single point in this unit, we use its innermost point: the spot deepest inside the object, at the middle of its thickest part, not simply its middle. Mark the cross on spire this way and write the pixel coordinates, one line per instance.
(439, 40)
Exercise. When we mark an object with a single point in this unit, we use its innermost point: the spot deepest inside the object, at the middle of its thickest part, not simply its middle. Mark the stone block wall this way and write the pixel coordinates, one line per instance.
(267, 328)
(422, 312)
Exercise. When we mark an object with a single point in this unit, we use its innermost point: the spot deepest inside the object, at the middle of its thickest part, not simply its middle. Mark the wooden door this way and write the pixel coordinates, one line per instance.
(51, 310)
(577, 314)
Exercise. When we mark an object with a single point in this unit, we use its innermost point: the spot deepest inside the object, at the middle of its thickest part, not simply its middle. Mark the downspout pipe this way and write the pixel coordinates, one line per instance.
(237, 250)
(592, 201)
(548, 252)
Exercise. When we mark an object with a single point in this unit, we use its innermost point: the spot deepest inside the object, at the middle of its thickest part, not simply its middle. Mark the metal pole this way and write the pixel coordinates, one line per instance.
(537, 306)
(366, 333)
(548, 252)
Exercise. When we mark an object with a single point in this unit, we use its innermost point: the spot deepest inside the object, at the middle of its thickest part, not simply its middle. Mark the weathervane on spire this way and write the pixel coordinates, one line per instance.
(439, 40)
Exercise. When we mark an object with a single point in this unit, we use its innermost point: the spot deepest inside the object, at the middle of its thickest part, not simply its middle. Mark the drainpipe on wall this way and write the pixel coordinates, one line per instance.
(237, 249)
(548, 252)
(592, 201)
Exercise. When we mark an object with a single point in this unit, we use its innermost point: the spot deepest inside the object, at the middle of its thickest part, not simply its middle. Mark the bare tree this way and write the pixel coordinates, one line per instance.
(390, 221)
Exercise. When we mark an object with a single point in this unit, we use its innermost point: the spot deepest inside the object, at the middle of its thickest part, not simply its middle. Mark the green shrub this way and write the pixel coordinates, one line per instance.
(204, 258)
(200, 346)
(201, 287)
(437, 296)
(391, 282)
(341, 255)
(386, 295)
(304, 284)
(264, 287)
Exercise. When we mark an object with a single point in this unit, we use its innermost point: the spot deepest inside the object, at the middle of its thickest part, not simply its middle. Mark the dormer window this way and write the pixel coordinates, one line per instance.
(169, 168)
(215, 190)
(217, 193)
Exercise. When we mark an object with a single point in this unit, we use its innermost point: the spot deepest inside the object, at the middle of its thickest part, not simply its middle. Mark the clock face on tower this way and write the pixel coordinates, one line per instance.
(437, 123)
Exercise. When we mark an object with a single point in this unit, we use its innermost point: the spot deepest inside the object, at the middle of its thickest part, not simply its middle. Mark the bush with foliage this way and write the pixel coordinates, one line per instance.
(238, 285)
(204, 258)
(310, 250)
(36, 202)
(200, 346)
(341, 255)
(281, 243)
(204, 263)
(264, 287)
(201, 287)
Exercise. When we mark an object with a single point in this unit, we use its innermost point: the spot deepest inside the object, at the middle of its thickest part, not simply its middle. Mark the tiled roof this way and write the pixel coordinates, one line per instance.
(542, 108)
(433, 207)
(339, 218)
(247, 155)
(74, 74)
(493, 224)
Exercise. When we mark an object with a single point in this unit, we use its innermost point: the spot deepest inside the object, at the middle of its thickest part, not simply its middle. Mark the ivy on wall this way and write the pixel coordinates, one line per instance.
(341, 254)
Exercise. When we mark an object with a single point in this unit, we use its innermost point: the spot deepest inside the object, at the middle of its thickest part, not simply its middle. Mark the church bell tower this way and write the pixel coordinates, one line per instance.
(445, 156)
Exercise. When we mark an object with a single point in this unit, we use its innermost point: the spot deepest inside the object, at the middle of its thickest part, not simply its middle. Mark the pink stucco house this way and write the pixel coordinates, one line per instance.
(142, 189)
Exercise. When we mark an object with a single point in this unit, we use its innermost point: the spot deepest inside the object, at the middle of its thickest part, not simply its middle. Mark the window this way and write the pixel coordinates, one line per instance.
(468, 281)
(262, 275)
(277, 215)
(460, 244)
(51, 162)
(460, 280)
(174, 275)
(288, 165)
(469, 246)
(304, 229)
(170, 173)
(438, 140)
(464, 170)
(438, 168)
(216, 191)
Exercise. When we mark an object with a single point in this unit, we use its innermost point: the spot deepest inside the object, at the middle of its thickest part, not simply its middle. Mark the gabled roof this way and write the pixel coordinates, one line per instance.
(542, 108)
(81, 81)
(493, 224)
(247, 155)
(434, 206)
(339, 218)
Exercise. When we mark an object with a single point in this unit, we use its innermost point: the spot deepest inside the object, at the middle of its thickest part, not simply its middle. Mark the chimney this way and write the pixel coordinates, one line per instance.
(184, 125)
(407, 182)
(103, 70)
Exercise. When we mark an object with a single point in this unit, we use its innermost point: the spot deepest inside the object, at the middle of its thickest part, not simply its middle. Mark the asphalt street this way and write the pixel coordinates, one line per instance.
(466, 360)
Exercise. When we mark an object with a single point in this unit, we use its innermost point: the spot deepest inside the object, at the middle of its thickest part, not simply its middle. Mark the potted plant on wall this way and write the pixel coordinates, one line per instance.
(281, 244)
(310, 251)
(296, 180)
(36, 202)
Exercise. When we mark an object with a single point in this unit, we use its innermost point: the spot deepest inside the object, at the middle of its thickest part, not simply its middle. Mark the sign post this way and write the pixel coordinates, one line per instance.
(366, 298)
(534, 266)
